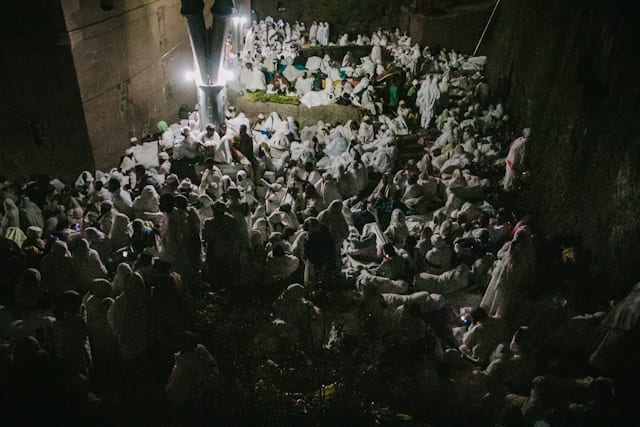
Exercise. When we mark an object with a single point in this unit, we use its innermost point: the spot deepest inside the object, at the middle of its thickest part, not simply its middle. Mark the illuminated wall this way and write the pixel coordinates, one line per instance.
(82, 80)
(130, 64)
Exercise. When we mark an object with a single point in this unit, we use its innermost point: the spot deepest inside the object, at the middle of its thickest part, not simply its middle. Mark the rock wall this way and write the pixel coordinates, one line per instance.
(458, 27)
(42, 124)
(85, 76)
(570, 70)
(454, 24)
(131, 63)
(352, 16)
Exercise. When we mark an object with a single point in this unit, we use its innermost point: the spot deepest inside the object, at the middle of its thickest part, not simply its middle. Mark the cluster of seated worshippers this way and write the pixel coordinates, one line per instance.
(108, 266)
(273, 60)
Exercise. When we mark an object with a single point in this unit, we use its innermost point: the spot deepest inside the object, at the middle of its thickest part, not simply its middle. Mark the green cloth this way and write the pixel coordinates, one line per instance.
(393, 95)
(162, 126)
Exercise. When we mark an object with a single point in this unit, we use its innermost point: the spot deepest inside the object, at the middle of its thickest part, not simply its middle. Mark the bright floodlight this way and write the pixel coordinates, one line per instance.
(239, 19)
(189, 76)
(225, 76)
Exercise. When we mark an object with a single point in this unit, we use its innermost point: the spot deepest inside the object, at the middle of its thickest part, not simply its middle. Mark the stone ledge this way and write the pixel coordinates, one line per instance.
(303, 115)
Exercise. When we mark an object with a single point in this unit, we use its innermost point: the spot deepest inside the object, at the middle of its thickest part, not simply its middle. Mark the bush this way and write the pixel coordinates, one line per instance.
(267, 97)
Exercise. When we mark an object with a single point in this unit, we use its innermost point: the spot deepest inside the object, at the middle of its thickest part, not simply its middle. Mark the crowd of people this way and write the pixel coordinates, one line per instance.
(414, 279)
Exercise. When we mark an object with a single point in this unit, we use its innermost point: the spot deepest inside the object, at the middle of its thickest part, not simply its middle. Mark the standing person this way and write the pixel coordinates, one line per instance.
(222, 241)
(319, 251)
(129, 319)
(512, 277)
(193, 377)
(335, 222)
(514, 163)
(58, 274)
(120, 197)
(243, 147)
(185, 219)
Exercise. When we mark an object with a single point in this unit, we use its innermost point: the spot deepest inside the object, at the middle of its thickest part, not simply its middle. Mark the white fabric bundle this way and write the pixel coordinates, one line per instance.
(448, 282)
(428, 302)
(381, 284)
(146, 154)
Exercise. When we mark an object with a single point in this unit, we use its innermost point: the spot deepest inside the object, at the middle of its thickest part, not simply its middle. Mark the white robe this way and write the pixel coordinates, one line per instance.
(257, 81)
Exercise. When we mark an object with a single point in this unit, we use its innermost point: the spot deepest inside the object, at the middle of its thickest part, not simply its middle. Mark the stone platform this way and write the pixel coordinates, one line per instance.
(305, 116)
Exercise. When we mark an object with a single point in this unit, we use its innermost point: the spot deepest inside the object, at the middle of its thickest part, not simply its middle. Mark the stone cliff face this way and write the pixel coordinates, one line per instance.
(352, 16)
(571, 71)
(82, 77)
(454, 24)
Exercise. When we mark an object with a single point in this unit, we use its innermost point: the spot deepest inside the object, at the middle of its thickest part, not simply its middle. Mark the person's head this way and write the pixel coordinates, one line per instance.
(171, 183)
(233, 194)
(97, 185)
(208, 163)
(163, 126)
(144, 258)
(256, 238)
(521, 339)
(105, 207)
(60, 249)
(69, 303)
(462, 218)
(101, 289)
(161, 267)
(25, 351)
(140, 170)
(241, 177)
(483, 220)
(479, 315)
(211, 128)
(410, 242)
(294, 291)
(288, 233)
(114, 184)
(243, 129)
(312, 225)
(167, 203)
(32, 278)
(181, 202)
(503, 216)
(310, 190)
(389, 250)
(335, 207)
(278, 250)
(219, 208)
(308, 166)
(34, 232)
(187, 341)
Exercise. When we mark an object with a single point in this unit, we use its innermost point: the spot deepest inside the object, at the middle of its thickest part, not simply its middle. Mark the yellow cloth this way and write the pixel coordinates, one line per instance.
(15, 234)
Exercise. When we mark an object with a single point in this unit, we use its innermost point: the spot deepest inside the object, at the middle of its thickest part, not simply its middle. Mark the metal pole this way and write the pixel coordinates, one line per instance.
(193, 13)
(486, 27)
